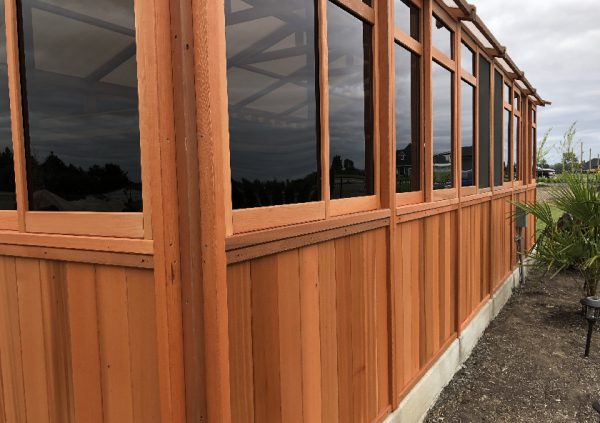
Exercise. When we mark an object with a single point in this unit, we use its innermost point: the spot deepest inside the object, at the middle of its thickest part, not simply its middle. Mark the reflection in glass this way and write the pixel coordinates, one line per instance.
(273, 102)
(533, 152)
(467, 131)
(467, 59)
(350, 104)
(442, 37)
(498, 130)
(516, 148)
(517, 102)
(507, 96)
(443, 169)
(7, 169)
(408, 134)
(484, 122)
(506, 153)
(80, 105)
(407, 18)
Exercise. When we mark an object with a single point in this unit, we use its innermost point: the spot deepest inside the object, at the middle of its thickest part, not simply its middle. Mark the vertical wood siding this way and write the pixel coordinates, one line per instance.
(77, 343)
(309, 333)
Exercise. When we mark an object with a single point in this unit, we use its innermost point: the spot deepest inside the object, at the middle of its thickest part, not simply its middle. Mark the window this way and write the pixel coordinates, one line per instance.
(467, 131)
(350, 105)
(408, 134)
(443, 151)
(406, 16)
(442, 37)
(80, 106)
(467, 58)
(273, 107)
(484, 122)
(506, 144)
(516, 148)
(8, 198)
(498, 108)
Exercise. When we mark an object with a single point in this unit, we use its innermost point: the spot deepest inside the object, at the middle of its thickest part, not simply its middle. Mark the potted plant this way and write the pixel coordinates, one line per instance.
(570, 239)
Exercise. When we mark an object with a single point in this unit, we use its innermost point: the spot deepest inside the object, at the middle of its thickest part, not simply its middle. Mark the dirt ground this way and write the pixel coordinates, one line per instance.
(529, 365)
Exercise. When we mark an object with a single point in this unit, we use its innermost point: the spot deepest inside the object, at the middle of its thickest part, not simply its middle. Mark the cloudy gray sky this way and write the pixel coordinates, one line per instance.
(557, 44)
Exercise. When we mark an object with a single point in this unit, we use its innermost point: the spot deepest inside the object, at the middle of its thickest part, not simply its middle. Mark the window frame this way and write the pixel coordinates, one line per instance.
(473, 81)
(262, 218)
(507, 106)
(517, 113)
(76, 223)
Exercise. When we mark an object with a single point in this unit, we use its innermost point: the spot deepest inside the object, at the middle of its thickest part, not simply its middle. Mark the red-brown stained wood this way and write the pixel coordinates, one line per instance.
(382, 326)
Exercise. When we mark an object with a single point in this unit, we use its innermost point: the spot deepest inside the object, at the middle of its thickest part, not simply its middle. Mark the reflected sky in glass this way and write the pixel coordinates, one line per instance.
(467, 132)
(443, 175)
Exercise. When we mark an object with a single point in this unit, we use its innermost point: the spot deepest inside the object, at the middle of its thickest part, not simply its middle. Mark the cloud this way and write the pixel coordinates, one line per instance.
(556, 44)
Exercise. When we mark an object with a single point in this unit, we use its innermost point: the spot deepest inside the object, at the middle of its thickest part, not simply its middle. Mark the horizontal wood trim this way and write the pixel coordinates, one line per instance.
(383, 415)
(445, 194)
(353, 205)
(142, 261)
(266, 249)
(476, 199)
(443, 60)
(466, 191)
(408, 42)
(427, 213)
(468, 78)
(358, 8)
(424, 206)
(409, 198)
(249, 220)
(86, 243)
(121, 225)
(9, 220)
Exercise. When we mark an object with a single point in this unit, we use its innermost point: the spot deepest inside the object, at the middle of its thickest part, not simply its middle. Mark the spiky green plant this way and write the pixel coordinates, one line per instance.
(572, 240)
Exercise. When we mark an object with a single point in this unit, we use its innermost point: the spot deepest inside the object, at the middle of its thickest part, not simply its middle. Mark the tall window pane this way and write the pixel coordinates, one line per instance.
(498, 110)
(534, 152)
(467, 58)
(484, 123)
(273, 103)
(408, 134)
(443, 169)
(516, 147)
(80, 105)
(407, 18)
(7, 168)
(442, 37)
(350, 104)
(506, 153)
(467, 131)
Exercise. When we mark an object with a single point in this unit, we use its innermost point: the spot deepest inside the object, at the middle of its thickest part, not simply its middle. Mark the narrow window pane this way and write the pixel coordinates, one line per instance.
(407, 18)
(516, 148)
(467, 59)
(273, 104)
(350, 104)
(484, 123)
(80, 105)
(443, 169)
(506, 153)
(517, 102)
(534, 152)
(442, 37)
(498, 110)
(7, 169)
(408, 134)
(467, 131)
(507, 96)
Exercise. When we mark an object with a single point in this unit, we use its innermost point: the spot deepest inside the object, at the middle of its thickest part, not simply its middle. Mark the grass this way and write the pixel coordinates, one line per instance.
(540, 226)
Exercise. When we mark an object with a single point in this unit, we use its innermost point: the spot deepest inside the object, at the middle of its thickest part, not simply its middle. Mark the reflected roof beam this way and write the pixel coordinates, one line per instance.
(112, 64)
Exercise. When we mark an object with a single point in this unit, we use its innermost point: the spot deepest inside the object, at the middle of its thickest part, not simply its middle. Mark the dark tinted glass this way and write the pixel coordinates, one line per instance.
(442, 37)
(533, 152)
(407, 18)
(467, 131)
(350, 104)
(273, 103)
(498, 110)
(467, 59)
(516, 148)
(408, 134)
(443, 175)
(484, 123)
(7, 169)
(80, 105)
(506, 152)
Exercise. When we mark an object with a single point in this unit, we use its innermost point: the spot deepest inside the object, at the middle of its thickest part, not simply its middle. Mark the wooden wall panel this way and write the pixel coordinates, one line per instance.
(502, 240)
(309, 333)
(425, 289)
(77, 342)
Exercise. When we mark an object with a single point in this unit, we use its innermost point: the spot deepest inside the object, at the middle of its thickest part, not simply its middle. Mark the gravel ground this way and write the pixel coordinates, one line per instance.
(529, 365)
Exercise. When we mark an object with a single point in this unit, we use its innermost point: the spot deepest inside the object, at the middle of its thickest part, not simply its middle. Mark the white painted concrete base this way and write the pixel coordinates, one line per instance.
(422, 397)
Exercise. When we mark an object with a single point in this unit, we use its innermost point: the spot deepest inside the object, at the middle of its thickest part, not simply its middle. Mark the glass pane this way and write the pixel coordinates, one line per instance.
(273, 103)
(517, 102)
(507, 96)
(534, 152)
(442, 37)
(407, 18)
(8, 199)
(516, 148)
(80, 105)
(350, 104)
(368, 2)
(408, 134)
(498, 132)
(443, 170)
(467, 59)
(484, 123)
(506, 153)
(467, 131)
